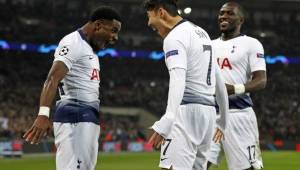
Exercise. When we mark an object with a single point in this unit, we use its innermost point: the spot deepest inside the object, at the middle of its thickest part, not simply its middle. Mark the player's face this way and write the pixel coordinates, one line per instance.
(229, 19)
(156, 23)
(106, 32)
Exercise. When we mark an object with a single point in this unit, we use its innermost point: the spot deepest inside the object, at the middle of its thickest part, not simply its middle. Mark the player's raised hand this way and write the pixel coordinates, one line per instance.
(41, 126)
(218, 136)
(156, 140)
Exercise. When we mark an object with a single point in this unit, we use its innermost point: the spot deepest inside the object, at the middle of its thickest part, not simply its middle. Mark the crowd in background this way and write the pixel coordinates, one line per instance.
(136, 82)
(28, 21)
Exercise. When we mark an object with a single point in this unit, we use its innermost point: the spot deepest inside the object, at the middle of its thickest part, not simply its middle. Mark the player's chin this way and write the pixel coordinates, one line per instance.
(223, 29)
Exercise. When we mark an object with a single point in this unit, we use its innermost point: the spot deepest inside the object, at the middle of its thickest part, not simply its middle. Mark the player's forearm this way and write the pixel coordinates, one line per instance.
(48, 92)
(176, 91)
(256, 84)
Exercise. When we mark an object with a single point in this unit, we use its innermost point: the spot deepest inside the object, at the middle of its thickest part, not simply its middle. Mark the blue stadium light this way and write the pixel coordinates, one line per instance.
(112, 52)
(156, 55)
(276, 59)
(109, 51)
(4, 45)
(46, 49)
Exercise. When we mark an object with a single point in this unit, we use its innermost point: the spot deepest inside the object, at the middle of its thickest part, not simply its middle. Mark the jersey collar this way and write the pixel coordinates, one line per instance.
(180, 22)
(82, 35)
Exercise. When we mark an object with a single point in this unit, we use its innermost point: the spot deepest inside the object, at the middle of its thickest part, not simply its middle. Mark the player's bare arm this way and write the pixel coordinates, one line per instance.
(258, 82)
(42, 125)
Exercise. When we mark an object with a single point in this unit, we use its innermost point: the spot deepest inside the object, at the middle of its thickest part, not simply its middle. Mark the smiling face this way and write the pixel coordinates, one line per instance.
(156, 22)
(230, 18)
(105, 32)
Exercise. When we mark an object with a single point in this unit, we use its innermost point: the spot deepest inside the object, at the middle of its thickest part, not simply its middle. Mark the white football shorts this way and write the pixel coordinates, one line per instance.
(77, 145)
(192, 130)
(241, 144)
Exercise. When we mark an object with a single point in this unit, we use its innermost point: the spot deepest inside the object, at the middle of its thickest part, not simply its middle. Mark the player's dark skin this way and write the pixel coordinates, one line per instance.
(230, 20)
(99, 34)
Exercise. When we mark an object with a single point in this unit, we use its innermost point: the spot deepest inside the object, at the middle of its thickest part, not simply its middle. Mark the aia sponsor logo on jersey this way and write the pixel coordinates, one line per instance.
(95, 75)
(224, 63)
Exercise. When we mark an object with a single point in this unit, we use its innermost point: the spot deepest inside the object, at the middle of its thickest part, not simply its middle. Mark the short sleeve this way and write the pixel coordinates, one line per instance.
(256, 56)
(175, 54)
(67, 52)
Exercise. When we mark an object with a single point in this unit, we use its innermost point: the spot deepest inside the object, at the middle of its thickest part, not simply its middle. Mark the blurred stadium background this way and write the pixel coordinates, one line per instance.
(134, 81)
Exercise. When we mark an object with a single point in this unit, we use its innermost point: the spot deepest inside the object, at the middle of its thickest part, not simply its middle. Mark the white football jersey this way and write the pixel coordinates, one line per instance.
(238, 58)
(189, 47)
(82, 80)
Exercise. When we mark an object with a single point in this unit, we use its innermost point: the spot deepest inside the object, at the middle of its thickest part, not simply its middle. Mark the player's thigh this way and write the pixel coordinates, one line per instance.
(77, 145)
(192, 130)
(241, 144)
(177, 151)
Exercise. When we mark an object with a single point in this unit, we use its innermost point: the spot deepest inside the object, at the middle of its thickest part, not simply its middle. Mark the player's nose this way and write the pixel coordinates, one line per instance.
(114, 39)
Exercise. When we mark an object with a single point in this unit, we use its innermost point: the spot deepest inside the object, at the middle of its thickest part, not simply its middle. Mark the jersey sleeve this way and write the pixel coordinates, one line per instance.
(175, 54)
(256, 56)
(67, 52)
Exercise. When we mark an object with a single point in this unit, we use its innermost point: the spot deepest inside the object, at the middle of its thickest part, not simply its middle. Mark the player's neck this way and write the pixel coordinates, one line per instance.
(230, 35)
(174, 21)
(86, 31)
(171, 22)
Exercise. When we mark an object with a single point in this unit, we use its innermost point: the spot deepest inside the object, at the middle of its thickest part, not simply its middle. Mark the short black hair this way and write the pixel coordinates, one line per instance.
(241, 10)
(105, 12)
(169, 5)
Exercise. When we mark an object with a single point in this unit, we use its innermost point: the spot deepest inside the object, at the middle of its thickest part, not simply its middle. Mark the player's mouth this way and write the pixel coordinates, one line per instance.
(224, 24)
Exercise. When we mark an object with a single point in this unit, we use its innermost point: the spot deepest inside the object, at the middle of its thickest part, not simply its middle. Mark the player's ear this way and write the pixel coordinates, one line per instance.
(161, 12)
(242, 20)
(98, 25)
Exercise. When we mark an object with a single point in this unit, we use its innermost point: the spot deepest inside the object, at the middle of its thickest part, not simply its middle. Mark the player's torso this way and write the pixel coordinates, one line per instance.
(200, 71)
(82, 80)
(232, 58)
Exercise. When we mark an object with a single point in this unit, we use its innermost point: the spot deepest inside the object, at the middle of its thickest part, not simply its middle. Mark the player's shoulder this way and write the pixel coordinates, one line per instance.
(184, 32)
(249, 40)
(72, 38)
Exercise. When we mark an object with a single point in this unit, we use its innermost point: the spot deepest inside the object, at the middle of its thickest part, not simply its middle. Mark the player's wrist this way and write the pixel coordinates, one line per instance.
(239, 88)
(44, 111)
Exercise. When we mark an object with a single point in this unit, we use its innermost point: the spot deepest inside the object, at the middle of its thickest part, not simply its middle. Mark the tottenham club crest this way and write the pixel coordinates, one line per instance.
(63, 51)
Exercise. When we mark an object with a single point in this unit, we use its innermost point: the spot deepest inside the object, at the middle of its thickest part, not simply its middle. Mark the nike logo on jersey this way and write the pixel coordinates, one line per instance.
(162, 159)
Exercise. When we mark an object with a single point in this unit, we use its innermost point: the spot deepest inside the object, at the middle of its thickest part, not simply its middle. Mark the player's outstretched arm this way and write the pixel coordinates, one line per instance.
(222, 100)
(42, 125)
